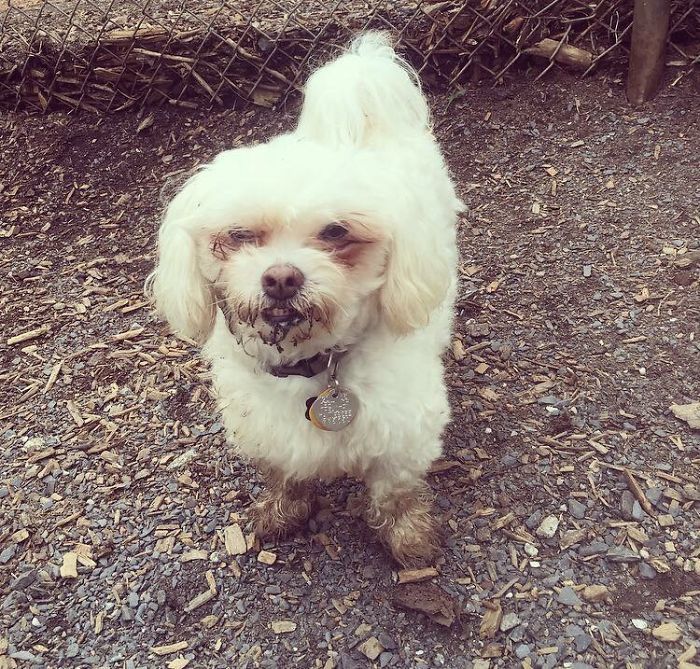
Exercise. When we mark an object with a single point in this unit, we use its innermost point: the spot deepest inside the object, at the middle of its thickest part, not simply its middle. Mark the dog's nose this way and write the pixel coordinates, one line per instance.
(282, 282)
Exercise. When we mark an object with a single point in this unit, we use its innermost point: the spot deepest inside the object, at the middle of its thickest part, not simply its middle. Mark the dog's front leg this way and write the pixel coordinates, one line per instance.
(283, 506)
(399, 509)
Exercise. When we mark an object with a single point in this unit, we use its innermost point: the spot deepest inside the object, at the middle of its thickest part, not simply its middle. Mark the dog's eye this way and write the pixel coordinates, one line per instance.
(333, 232)
(241, 236)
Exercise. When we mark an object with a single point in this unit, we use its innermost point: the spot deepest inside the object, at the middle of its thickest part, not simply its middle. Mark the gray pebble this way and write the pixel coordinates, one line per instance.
(576, 509)
(386, 641)
(594, 548)
(654, 495)
(7, 554)
(534, 520)
(24, 581)
(647, 571)
(637, 512)
(385, 658)
(626, 503)
(509, 621)
(622, 554)
(522, 651)
(582, 642)
(133, 599)
(568, 597)
(73, 649)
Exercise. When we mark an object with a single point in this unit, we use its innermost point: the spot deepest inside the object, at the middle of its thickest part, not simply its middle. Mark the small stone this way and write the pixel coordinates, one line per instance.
(72, 650)
(596, 593)
(362, 630)
(533, 520)
(568, 597)
(133, 600)
(638, 513)
(386, 641)
(626, 504)
(371, 648)
(7, 554)
(639, 623)
(531, 550)
(647, 571)
(622, 554)
(509, 621)
(522, 651)
(576, 509)
(594, 548)
(266, 557)
(548, 527)
(582, 642)
(23, 655)
(654, 495)
(666, 520)
(24, 581)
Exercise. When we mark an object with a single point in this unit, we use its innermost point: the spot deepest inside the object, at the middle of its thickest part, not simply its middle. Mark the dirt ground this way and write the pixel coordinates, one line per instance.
(577, 329)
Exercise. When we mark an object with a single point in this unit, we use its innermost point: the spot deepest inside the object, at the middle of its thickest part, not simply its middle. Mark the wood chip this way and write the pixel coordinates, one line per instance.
(266, 557)
(209, 575)
(638, 492)
(690, 413)
(99, 622)
(19, 536)
(201, 599)
(417, 575)
(30, 334)
(69, 568)
(667, 632)
(283, 626)
(491, 622)
(192, 555)
(170, 648)
(234, 540)
(178, 663)
(596, 593)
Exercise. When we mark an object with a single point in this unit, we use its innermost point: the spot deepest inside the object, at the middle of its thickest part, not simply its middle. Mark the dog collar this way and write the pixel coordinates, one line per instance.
(309, 367)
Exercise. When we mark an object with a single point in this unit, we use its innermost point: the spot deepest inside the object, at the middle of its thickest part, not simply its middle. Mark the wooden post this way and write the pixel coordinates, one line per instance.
(649, 33)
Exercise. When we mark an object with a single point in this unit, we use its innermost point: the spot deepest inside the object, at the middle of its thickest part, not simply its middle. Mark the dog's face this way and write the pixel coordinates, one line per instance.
(297, 281)
(300, 247)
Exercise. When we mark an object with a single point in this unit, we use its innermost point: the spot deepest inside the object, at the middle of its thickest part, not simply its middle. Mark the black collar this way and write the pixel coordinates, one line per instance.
(309, 367)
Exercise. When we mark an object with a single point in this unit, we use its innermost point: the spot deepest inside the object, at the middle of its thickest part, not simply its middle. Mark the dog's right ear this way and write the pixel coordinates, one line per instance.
(181, 293)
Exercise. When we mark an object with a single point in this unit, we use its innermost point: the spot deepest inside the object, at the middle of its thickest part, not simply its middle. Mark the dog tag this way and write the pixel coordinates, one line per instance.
(333, 410)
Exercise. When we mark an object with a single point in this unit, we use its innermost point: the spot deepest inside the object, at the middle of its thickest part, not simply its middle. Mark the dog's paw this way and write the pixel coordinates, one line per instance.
(406, 526)
(414, 539)
(274, 516)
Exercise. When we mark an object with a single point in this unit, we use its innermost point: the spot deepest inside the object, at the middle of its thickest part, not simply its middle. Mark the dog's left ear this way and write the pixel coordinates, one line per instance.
(418, 277)
(181, 293)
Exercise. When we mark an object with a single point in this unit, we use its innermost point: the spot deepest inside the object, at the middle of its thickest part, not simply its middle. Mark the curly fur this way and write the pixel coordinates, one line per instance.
(362, 156)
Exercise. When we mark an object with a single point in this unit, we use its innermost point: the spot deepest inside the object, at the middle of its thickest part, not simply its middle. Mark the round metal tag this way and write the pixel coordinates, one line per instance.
(334, 409)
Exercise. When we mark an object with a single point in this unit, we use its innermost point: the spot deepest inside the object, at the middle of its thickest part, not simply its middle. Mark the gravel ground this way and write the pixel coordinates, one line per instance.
(568, 491)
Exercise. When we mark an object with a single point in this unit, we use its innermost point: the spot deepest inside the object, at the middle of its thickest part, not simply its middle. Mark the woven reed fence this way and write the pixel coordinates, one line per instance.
(111, 55)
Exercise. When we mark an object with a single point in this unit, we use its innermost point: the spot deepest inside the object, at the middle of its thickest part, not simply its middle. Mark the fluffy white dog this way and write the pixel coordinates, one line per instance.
(319, 272)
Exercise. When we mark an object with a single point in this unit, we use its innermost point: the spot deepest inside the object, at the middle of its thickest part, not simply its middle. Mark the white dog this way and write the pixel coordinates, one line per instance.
(319, 271)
